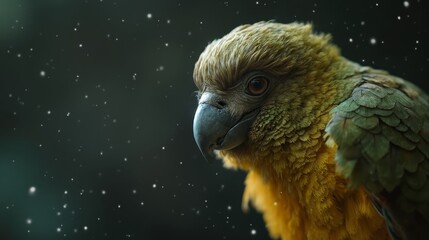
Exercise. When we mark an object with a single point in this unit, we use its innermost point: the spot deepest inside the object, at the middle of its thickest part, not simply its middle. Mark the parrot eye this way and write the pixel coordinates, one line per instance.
(257, 86)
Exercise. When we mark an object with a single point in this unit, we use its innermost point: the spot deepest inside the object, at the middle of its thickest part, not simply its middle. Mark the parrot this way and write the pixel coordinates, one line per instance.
(331, 149)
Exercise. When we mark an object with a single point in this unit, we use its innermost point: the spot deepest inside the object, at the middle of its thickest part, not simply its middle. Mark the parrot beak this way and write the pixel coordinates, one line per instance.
(216, 129)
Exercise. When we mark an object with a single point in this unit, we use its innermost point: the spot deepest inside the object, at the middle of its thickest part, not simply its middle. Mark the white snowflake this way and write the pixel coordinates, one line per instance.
(406, 4)
(32, 190)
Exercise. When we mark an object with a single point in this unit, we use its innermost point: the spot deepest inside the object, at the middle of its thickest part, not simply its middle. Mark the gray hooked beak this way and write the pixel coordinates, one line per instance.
(216, 129)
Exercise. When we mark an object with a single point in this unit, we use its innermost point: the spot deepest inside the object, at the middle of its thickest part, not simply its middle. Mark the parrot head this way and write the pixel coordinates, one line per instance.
(252, 83)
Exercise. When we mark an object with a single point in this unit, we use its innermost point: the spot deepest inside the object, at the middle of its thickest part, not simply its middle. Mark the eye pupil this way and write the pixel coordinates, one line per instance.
(257, 86)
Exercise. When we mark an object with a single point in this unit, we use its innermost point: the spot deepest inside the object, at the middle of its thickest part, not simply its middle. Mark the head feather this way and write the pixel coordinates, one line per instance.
(279, 49)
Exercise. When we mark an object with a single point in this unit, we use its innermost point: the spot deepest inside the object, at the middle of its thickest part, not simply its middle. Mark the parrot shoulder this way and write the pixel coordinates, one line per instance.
(382, 137)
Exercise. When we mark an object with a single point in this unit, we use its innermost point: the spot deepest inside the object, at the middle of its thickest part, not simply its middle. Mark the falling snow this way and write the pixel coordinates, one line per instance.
(406, 4)
(97, 123)
(32, 190)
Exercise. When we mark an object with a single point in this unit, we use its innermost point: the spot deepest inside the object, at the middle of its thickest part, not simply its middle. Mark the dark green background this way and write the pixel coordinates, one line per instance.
(115, 113)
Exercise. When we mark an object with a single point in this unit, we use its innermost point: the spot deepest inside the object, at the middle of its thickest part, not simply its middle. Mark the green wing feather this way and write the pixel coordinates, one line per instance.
(382, 134)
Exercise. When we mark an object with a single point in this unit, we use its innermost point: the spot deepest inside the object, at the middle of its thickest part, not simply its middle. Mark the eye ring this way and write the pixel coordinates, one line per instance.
(257, 86)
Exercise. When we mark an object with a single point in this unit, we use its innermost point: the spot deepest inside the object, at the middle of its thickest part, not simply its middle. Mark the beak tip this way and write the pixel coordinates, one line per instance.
(210, 156)
(205, 137)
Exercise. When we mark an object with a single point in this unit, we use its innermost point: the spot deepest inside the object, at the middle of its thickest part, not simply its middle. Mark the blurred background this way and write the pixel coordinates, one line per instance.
(97, 101)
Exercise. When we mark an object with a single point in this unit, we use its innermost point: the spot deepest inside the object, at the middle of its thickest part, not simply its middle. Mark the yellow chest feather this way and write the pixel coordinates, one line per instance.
(314, 204)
